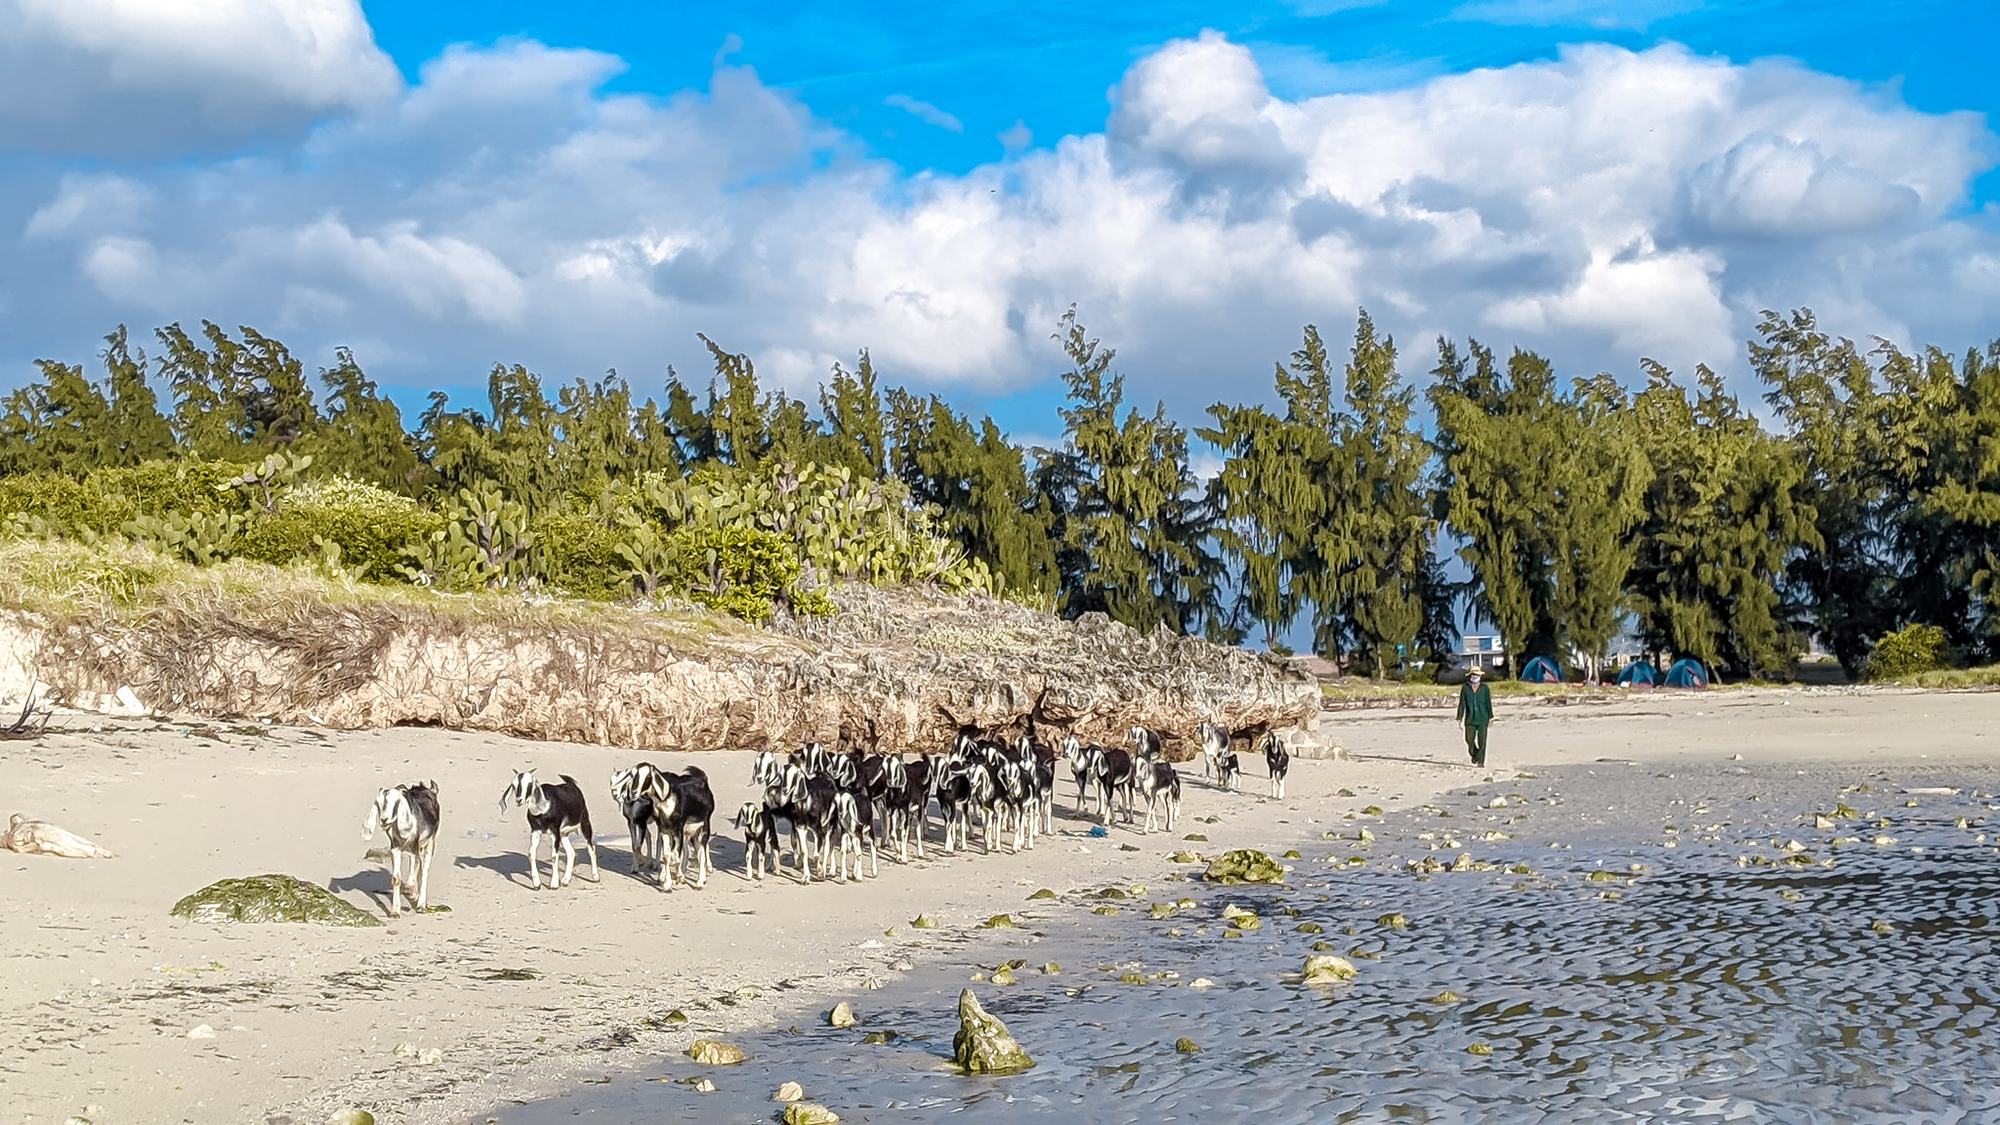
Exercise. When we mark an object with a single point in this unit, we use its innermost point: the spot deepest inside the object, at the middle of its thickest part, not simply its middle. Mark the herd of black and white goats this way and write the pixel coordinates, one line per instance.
(835, 806)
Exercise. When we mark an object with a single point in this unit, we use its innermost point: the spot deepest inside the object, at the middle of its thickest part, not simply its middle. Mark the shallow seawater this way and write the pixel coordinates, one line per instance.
(1730, 961)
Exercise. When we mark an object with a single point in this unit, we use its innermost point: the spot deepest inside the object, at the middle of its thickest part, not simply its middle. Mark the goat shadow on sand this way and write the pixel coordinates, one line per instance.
(614, 860)
(371, 883)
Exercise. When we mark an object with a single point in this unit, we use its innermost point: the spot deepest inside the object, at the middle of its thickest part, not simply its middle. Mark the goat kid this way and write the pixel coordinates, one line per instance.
(904, 803)
(1160, 785)
(554, 811)
(1230, 769)
(854, 827)
(953, 790)
(408, 816)
(760, 839)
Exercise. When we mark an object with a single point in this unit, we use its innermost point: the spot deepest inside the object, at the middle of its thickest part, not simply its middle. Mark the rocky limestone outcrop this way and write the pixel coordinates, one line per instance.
(902, 668)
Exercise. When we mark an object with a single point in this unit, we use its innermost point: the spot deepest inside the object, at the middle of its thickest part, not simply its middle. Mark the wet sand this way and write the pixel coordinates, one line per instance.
(103, 986)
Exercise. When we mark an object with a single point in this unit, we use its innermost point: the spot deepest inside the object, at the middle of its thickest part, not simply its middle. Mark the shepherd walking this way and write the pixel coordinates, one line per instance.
(1475, 710)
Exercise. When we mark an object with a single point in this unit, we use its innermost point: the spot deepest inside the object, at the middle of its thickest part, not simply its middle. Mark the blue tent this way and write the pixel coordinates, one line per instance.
(1639, 673)
(1687, 673)
(1541, 670)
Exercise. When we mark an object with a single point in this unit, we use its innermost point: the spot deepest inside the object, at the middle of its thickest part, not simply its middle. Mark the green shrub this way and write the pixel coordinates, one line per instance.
(1909, 651)
(371, 529)
(184, 485)
(58, 503)
(106, 500)
(739, 570)
(577, 555)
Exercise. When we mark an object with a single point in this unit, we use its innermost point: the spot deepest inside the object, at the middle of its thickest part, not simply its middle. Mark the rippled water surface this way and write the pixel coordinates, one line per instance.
(1755, 946)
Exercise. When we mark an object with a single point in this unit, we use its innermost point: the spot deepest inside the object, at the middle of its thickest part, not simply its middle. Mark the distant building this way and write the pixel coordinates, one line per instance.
(1318, 667)
(1483, 652)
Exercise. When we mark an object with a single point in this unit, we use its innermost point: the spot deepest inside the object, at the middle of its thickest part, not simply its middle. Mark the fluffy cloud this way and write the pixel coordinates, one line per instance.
(126, 77)
(1598, 206)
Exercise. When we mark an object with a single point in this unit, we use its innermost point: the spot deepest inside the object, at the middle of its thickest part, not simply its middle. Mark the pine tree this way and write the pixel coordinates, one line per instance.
(853, 412)
(61, 424)
(1281, 483)
(737, 414)
(1388, 525)
(138, 432)
(1544, 490)
(1595, 498)
(1724, 512)
(362, 433)
(979, 484)
(210, 418)
(689, 425)
(1135, 540)
(1827, 396)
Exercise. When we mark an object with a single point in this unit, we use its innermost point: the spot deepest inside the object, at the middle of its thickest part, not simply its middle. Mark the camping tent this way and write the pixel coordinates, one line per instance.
(1639, 673)
(1541, 670)
(1687, 673)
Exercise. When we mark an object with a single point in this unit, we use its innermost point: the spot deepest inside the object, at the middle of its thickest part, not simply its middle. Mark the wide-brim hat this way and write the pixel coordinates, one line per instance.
(1473, 673)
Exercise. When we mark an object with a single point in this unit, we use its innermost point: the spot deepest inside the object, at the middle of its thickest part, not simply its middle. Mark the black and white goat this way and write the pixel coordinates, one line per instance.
(760, 839)
(1014, 782)
(1041, 758)
(1229, 768)
(953, 789)
(1145, 744)
(554, 811)
(1214, 739)
(1114, 771)
(1081, 767)
(632, 789)
(906, 798)
(684, 805)
(804, 800)
(854, 828)
(1159, 785)
(768, 768)
(1278, 760)
(408, 815)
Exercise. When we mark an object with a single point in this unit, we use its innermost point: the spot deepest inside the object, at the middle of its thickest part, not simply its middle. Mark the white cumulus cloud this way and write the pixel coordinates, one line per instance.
(507, 207)
(144, 77)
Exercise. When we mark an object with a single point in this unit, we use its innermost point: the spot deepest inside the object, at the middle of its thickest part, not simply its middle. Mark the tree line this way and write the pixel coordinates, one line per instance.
(1583, 511)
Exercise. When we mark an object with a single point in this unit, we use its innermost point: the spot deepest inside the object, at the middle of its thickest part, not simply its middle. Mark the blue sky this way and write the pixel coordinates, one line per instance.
(582, 186)
(1050, 65)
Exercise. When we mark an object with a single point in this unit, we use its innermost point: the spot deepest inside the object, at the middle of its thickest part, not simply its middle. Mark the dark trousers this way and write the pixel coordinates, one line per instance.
(1475, 742)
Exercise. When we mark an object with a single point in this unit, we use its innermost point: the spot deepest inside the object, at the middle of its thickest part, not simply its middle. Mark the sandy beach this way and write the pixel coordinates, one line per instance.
(103, 987)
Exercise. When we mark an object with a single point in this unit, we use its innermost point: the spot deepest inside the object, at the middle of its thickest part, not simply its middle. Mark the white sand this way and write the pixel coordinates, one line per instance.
(101, 986)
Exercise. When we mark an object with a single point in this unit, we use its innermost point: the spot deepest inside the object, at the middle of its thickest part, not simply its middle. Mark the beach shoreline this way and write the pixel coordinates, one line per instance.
(308, 1020)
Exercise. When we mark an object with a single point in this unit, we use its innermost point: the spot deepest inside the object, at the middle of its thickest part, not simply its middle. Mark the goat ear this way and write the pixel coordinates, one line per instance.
(432, 785)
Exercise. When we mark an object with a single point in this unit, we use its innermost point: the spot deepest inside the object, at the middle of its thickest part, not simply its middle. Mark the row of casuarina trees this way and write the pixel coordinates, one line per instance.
(1860, 500)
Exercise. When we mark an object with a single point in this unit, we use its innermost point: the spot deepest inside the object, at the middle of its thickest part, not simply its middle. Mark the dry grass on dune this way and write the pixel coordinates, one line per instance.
(120, 583)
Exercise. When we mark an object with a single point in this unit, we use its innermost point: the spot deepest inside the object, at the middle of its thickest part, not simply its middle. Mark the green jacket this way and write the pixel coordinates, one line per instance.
(1475, 707)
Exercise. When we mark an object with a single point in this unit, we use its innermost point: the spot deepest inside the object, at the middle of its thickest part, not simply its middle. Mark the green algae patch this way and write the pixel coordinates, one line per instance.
(270, 898)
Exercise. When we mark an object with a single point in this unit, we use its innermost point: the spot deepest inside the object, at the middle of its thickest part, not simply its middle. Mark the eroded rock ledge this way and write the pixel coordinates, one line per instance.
(907, 665)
